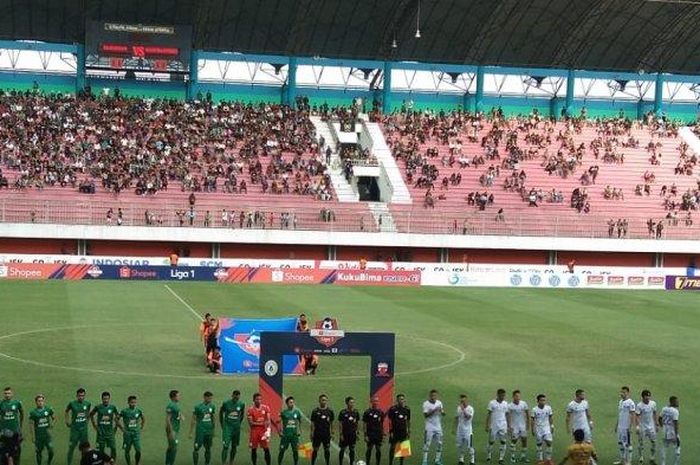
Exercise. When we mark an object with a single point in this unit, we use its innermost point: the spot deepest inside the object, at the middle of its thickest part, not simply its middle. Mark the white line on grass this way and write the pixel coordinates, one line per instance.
(189, 307)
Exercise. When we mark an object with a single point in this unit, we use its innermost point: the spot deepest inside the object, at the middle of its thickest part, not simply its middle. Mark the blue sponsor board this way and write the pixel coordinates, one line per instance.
(151, 273)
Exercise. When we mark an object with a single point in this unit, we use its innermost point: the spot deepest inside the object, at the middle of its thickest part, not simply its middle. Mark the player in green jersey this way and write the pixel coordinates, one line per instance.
(173, 419)
(290, 421)
(104, 419)
(11, 412)
(42, 418)
(203, 418)
(131, 422)
(11, 415)
(230, 417)
(76, 416)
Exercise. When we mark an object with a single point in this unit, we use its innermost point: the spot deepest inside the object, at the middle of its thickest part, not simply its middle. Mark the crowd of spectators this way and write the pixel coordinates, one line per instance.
(117, 144)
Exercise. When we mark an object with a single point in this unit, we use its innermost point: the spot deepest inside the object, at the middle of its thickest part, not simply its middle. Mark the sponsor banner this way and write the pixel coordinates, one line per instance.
(375, 278)
(682, 283)
(292, 276)
(239, 340)
(338, 265)
(534, 280)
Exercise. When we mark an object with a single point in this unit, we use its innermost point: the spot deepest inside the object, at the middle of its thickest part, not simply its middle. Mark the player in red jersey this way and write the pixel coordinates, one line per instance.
(259, 421)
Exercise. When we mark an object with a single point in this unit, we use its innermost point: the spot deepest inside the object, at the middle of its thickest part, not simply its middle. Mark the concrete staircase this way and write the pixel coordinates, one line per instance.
(690, 138)
(400, 192)
(343, 189)
(382, 216)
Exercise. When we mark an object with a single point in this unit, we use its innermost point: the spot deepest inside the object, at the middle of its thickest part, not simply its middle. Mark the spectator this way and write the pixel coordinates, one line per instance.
(500, 216)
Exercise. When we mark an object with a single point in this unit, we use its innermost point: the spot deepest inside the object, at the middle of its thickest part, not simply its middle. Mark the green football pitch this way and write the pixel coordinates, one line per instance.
(140, 338)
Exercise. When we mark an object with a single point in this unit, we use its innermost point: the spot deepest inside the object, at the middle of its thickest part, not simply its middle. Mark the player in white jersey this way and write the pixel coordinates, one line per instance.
(497, 425)
(519, 412)
(433, 413)
(626, 420)
(578, 416)
(647, 426)
(669, 421)
(542, 427)
(463, 430)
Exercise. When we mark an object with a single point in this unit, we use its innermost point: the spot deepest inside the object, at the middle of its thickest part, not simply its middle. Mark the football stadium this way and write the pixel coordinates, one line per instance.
(349, 232)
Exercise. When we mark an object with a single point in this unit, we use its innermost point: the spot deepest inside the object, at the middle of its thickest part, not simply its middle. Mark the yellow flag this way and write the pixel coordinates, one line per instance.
(403, 449)
(305, 450)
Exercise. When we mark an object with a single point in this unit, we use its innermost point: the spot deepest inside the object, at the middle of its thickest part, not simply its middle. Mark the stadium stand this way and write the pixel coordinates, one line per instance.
(152, 160)
(559, 175)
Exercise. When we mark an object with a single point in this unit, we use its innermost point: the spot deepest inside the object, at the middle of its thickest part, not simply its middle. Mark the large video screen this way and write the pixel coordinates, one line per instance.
(138, 47)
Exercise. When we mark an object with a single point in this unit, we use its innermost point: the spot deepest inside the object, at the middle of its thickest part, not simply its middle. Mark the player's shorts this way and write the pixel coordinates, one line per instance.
(348, 440)
(289, 441)
(543, 436)
(465, 439)
(647, 433)
(375, 439)
(258, 439)
(671, 438)
(231, 437)
(624, 437)
(78, 436)
(397, 436)
(203, 438)
(172, 443)
(587, 434)
(132, 440)
(103, 442)
(518, 433)
(43, 443)
(319, 439)
(432, 437)
(500, 435)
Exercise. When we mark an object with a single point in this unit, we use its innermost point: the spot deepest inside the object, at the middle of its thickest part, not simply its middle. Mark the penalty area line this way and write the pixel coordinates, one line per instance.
(182, 301)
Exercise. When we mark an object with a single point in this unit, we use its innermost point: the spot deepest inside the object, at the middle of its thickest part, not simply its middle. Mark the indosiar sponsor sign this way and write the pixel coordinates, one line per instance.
(683, 283)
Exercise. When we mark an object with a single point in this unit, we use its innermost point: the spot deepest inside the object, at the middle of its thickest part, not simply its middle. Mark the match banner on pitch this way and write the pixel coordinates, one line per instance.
(239, 340)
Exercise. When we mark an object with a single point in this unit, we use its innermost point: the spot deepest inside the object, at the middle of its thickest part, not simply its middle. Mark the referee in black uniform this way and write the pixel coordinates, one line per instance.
(399, 425)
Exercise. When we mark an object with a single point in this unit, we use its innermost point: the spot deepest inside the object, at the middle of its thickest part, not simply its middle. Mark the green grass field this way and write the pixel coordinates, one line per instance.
(136, 337)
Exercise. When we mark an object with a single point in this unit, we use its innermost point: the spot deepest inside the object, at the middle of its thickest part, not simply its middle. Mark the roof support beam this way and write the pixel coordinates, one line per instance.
(479, 98)
(386, 90)
(659, 94)
(570, 81)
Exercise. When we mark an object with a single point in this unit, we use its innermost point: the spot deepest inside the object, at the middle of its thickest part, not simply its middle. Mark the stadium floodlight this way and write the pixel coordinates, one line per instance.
(418, 22)
(394, 44)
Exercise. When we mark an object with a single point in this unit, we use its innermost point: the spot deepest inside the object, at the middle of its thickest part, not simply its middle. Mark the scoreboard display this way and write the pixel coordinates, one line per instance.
(138, 47)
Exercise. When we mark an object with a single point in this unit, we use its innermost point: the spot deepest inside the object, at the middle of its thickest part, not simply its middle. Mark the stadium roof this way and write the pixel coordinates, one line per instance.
(629, 35)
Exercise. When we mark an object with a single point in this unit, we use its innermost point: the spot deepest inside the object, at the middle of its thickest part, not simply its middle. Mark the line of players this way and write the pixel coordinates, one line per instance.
(507, 422)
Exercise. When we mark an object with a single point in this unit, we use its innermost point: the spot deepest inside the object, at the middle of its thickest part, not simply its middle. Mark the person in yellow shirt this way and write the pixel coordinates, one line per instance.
(580, 452)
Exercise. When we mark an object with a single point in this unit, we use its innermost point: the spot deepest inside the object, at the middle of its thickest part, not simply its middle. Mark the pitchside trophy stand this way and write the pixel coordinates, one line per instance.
(274, 345)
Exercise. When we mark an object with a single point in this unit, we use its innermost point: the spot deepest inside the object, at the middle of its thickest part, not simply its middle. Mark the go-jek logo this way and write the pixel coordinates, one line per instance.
(454, 279)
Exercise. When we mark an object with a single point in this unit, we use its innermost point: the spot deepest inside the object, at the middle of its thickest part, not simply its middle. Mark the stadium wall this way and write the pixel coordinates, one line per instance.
(325, 272)
(320, 245)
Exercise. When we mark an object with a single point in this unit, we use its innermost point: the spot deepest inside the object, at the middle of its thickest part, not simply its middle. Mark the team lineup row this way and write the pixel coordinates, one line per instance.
(507, 423)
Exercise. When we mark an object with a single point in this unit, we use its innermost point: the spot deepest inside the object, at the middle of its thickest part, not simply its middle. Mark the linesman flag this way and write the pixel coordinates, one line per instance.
(403, 449)
(305, 450)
